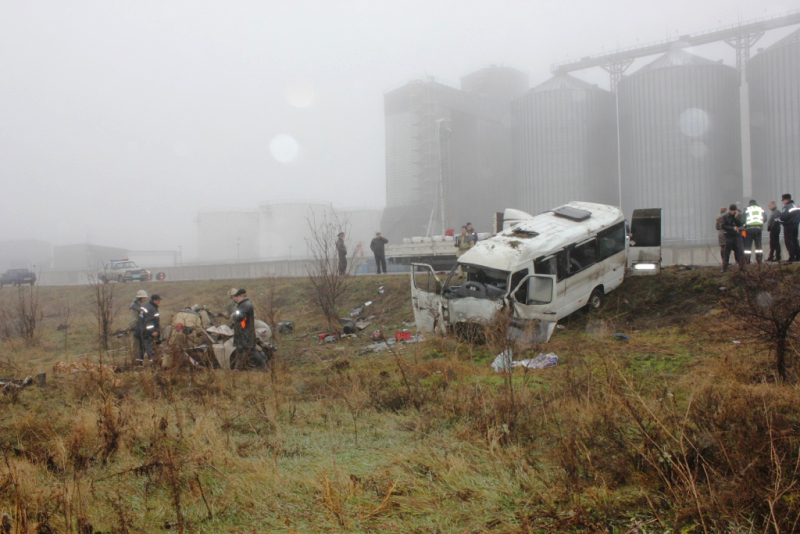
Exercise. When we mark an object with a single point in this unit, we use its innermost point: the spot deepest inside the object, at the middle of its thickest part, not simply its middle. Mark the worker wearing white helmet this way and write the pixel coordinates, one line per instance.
(138, 301)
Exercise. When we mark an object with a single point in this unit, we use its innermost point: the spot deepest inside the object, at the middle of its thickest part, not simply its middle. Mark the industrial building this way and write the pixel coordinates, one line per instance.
(565, 147)
(774, 80)
(447, 150)
(680, 146)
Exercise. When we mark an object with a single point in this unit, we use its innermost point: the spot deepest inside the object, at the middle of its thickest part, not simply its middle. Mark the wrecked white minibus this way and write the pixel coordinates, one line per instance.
(540, 269)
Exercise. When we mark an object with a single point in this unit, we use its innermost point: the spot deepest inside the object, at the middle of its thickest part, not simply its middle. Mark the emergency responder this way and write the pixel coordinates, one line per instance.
(341, 249)
(721, 232)
(774, 229)
(463, 242)
(732, 225)
(138, 301)
(376, 245)
(754, 219)
(244, 334)
(232, 304)
(472, 232)
(790, 219)
(148, 328)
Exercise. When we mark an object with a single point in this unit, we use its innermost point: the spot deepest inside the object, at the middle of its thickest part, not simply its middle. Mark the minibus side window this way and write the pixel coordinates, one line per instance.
(610, 241)
(583, 256)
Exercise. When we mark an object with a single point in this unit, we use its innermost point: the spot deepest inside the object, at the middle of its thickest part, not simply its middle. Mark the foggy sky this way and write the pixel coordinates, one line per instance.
(119, 121)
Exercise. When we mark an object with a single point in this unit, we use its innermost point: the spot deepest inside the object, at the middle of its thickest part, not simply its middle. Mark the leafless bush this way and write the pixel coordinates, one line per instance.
(104, 309)
(327, 285)
(22, 316)
(764, 304)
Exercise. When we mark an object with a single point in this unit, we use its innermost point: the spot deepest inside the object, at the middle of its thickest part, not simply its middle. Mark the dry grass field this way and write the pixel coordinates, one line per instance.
(677, 429)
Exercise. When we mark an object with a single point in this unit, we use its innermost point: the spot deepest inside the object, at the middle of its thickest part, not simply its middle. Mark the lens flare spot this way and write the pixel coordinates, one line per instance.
(694, 122)
(284, 148)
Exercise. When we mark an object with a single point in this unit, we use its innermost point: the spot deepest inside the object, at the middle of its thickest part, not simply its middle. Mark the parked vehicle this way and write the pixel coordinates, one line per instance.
(123, 271)
(17, 277)
(540, 269)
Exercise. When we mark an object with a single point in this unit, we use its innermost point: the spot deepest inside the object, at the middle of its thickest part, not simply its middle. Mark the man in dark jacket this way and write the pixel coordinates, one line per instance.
(790, 219)
(244, 333)
(774, 229)
(732, 224)
(377, 249)
(148, 328)
(341, 249)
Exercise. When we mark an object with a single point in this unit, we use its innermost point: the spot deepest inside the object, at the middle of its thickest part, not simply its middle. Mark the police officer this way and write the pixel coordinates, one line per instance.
(732, 225)
(377, 246)
(148, 328)
(774, 229)
(341, 249)
(790, 219)
(754, 219)
(244, 333)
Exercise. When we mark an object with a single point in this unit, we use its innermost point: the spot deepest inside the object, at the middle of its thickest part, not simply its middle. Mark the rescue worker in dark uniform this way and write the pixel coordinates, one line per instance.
(774, 229)
(148, 328)
(341, 249)
(790, 219)
(376, 245)
(754, 219)
(732, 224)
(244, 334)
(138, 302)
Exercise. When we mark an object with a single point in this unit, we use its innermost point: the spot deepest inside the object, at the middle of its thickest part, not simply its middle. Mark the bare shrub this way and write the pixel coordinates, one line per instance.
(22, 316)
(103, 308)
(764, 305)
(327, 285)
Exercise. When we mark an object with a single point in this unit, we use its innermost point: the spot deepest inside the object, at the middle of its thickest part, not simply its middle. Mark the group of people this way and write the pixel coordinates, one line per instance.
(145, 326)
(376, 245)
(739, 232)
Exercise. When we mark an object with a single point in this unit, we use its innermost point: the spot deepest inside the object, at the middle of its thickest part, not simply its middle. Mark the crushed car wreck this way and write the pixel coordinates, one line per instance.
(539, 269)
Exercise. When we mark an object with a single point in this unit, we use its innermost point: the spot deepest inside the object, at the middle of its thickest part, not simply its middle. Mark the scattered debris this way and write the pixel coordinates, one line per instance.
(381, 290)
(409, 323)
(505, 362)
(621, 337)
(723, 288)
(348, 326)
(376, 335)
(402, 335)
(736, 342)
(361, 324)
(9, 385)
(355, 312)
(62, 327)
(560, 326)
(286, 327)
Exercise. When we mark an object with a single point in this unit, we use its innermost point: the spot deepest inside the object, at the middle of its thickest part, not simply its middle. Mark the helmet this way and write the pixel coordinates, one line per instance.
(232, 292)
(141, 294)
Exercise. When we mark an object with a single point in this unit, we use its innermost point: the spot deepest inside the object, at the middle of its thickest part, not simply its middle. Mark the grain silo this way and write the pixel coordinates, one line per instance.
(285, 228)
(774, 80)
(565, 145)
(680, 143)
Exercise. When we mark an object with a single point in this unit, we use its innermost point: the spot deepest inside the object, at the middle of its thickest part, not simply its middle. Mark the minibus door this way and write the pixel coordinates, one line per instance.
(426, 298)
(535, 319)
(644, 252)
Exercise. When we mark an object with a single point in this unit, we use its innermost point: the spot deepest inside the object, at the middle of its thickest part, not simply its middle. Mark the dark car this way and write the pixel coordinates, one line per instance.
(17, 277)
(123, 271)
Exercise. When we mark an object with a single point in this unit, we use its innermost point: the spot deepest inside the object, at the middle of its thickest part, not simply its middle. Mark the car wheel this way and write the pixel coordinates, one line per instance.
(595, 299)
(103, 279)
(120, 279)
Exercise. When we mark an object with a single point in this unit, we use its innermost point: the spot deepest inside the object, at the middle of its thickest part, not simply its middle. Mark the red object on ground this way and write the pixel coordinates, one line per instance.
(450, 232)
(402, 336)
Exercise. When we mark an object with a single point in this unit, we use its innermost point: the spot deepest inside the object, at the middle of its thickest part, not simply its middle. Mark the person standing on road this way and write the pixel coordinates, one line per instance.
(341, 249)
(472, 232)
(774, 229)
(377, 245)
(732, 225)
(754, 219)
(790, 219)
(138, 302)
(148, 328)
(721, 232)
(244, 332)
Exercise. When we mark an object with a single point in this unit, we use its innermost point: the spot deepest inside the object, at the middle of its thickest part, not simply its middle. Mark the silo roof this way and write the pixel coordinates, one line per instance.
(676, 58)
(563, 82)
(792, 38)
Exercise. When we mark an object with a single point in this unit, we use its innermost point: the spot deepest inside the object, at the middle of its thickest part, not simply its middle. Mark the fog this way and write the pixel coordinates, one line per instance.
(119, 121)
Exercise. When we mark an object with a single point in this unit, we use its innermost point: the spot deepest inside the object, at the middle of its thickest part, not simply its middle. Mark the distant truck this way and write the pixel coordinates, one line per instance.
(123, 271)
(17, 277)
(540, 269)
